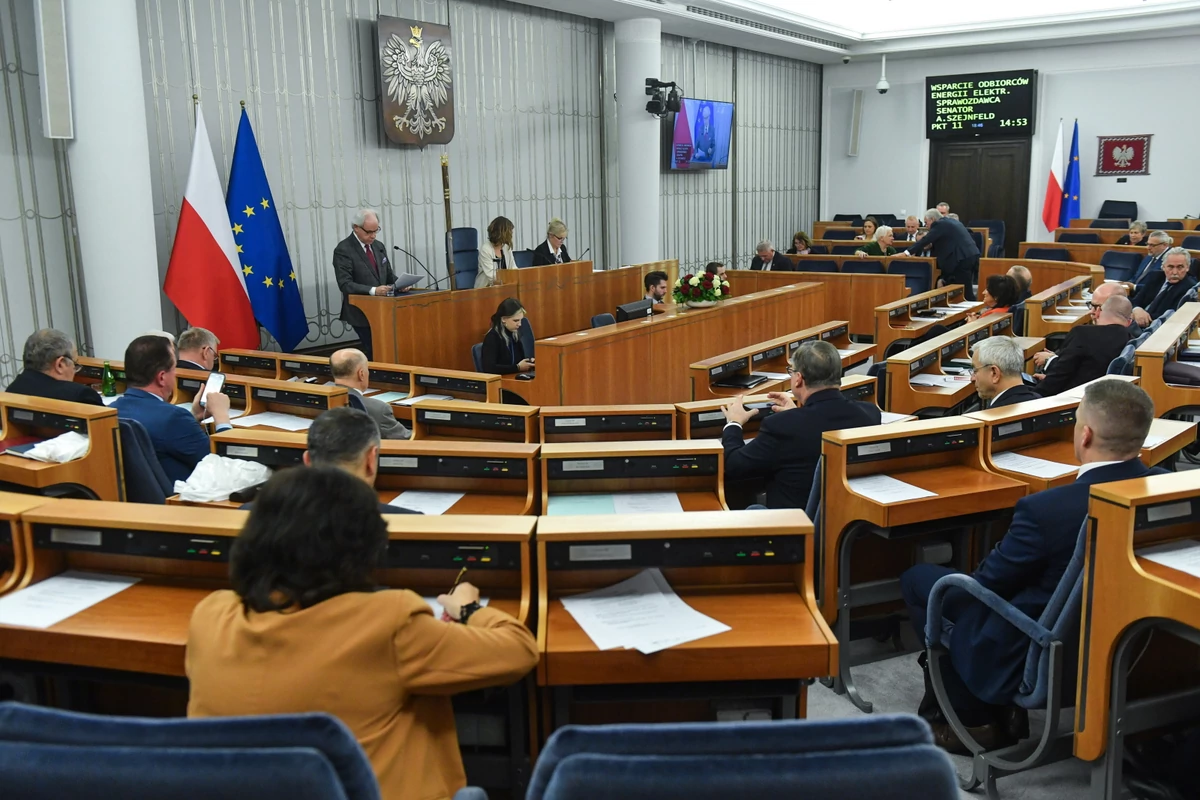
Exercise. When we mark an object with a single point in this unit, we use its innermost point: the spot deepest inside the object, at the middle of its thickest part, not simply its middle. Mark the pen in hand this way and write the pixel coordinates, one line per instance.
(457, 580)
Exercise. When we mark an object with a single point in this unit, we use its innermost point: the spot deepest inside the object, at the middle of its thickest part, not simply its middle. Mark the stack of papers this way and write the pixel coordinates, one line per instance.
(272, 419)
(1028, 465)
(422, 398)
(568, 505)
(886, 489)
(642, 613)
(432, 503)
(938, 380)
(887, 417)
(964, 304)
(54, 599)
(1060, 317)
(775, 376)
(1183, 556)
(391, 397)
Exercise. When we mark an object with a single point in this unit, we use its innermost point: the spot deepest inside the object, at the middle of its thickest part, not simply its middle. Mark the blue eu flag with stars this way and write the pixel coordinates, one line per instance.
(266, 265)
(1070, 203)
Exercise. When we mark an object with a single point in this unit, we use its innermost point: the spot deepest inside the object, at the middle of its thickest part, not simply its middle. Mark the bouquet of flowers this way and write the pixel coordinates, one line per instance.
(700, 288)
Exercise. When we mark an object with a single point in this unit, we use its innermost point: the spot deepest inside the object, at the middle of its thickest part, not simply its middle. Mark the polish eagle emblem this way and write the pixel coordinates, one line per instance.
(418, 79)
(1123, 156)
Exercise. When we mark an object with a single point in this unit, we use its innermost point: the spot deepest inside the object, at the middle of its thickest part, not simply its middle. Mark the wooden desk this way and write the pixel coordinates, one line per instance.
(14, 554)
(865, 544)
(692, 469)
(751, 570)
(455, 420)
(257, 363)
(1082, 222)
(907, 319)
(1058, 309)
(771, 356)
(99, 473)
(654, 422)
(1107, 236)
(90, 372)
(1125, 595)
(1188, 224)
(1045, 429)
(1163, 346)
(646, 360)
(1091, 253)
(478, 386)
(819, 229)
(561, 298)
(1044, 274)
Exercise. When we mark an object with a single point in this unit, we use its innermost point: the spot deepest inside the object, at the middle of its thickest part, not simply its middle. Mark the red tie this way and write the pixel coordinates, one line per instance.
(371, 257)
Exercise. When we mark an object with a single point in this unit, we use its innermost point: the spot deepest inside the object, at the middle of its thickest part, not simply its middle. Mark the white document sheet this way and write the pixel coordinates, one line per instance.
(272, 419)
(54, 599)
(888, 417)
(1183, 556)
(1028, 465)
(646, 503)
(422, 398)
(775, 376)
(390, 397)
(437, 607)
(234, 413)
(936, 380)
(964, 304)
(1060, 317)
(108, 401)
(886, 489)
(433, 503)
(847, 353)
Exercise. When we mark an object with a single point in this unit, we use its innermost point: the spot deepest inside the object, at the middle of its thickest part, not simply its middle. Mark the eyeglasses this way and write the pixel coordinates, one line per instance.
(791, 371)
(1095, 306)
(74, 364)
(369, 232)
(975, 370)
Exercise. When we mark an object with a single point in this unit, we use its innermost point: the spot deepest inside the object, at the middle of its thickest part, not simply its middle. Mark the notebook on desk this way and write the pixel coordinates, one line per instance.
(742, 381)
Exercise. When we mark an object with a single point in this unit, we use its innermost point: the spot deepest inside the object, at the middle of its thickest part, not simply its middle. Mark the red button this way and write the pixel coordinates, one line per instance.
(754, 553)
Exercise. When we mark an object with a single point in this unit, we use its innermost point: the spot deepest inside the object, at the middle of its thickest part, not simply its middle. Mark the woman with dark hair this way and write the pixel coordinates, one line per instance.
(503, 353)
(801, 244)
(1000, 293)
(870, 225)
(304, 629)
(496, 253)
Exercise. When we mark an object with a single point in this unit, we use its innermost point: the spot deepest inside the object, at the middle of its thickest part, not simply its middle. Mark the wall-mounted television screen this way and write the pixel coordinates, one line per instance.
(700, 135)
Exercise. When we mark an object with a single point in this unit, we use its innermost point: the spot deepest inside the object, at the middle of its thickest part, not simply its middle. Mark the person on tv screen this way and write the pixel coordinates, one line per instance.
(704, 135)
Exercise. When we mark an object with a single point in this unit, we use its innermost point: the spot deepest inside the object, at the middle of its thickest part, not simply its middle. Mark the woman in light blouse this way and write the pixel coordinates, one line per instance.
(496, 253)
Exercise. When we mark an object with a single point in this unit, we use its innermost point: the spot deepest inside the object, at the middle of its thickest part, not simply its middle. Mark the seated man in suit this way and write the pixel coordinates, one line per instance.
(361, 266)
(1087, 351)
(51, 361)
(768, 259)
(349, 368)
(912, 228)
(1157, 244)
(197, 349)
(1165, 288)
(997, 363)
(788, 444)
(554, 249)
(347, 439)
(179, 440)
(987, 654)
(656, 286)
(1024, 279)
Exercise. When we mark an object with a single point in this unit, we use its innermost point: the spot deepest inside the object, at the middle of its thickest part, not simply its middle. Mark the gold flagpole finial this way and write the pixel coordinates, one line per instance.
(195, 99)
(243, 103)
(445, 160)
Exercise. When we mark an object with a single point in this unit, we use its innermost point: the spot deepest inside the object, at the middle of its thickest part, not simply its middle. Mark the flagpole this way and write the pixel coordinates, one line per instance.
(449, 222)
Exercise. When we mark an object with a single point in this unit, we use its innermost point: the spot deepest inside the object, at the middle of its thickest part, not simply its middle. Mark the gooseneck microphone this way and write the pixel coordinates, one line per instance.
(422, 266)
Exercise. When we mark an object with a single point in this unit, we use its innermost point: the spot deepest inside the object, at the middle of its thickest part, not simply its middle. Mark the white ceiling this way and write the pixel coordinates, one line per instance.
(825, 32)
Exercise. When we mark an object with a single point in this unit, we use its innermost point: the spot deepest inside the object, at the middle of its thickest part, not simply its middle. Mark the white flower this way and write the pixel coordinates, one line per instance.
(695, 281)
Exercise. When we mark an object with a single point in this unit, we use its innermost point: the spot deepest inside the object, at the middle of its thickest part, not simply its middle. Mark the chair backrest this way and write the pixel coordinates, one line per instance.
(1165, 225)
(885, 219)
(1048, 253)
(1109, 223)
(1123, 363)
(463, 243)
(1018, 315)
(1119, 265)
(145, 481)
(818, 250)
(863, 267)
(523, 258)
(977, 238)
(1079, 238)
(753, 759)
(996, 229)
(1113, 209)
(839, 233)
(812, 509)
(855, 220)
(1190, 242)
(918, 276)
(817, 265)
(285, 750)
(477, 356)
(525, 337)
(600, 320)
(844, 249)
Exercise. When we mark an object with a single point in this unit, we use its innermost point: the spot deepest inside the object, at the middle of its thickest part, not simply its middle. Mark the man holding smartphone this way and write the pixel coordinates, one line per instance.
(178, 437)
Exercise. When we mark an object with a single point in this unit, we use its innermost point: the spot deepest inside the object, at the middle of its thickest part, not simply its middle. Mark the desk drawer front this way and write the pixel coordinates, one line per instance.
(470, 419)
(453, 384)
(639, 553)
(248, 362)
(912, 446)
(263, 454)
(403, 554)
(632, 467)
(610, 424)
(155, 544)
(454, 466)
(284, 397)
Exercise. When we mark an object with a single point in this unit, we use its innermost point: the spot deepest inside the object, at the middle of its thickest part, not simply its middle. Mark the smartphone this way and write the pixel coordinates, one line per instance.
(215, 382)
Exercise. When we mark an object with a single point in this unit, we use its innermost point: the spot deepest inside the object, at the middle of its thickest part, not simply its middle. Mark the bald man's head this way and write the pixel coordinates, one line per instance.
(1116, 311)
(349, 368)
(1022, 276)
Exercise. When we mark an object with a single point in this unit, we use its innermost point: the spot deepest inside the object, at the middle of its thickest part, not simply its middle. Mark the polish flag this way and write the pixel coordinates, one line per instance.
(1054, 185)
(204, 278)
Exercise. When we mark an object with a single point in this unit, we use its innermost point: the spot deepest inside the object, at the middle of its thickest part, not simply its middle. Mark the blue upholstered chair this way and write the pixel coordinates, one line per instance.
(996, 230)
(145, 481)
(1048, 253)
(1109, 223)
(1190, 243)
(879, 757)
(477, 356)
(1119, 265)
(354, 401)
(1119, 209)
(600, 320)
(525, 337)
(855, 220)
(522, 258)
(844, 249)
(1071, 237)
(1049, 664)
(816, 265)
(840, 233)
(1123, 363)
(1165, 225)
(1018, 314)
(463, 243)
(863, 267)
(918, 275)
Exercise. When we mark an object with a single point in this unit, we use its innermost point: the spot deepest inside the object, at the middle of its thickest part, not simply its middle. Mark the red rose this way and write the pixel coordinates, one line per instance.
(696, 291)
(707, 284)
(724, 290)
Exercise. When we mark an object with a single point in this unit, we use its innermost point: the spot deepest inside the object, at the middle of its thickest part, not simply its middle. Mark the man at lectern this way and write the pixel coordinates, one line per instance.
(361, 265)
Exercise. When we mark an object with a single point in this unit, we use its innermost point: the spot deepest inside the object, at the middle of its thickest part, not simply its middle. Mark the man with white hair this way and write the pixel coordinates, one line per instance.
(996, 366)
(912, 228)
(771, 261)
(952, 246)
(361, 265)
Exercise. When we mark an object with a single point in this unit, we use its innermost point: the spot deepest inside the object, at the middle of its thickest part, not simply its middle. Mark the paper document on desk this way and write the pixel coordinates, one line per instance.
(1060, 317)
(965, 304)
(234, 413)
(775, 376)
(938, 380)
(888, 417)
(886, 489)
(433, 503)
(437, 607)
(1028, 465)
(422, 398)
(641, 613)
(1183, 556)
(390, 397)
(566, 505)
(55, 599)
(272, 419)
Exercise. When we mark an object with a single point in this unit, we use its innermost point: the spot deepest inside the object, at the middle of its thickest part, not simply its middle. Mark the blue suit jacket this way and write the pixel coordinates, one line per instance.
(1024, 569)
(179, 440)
(1148, 267)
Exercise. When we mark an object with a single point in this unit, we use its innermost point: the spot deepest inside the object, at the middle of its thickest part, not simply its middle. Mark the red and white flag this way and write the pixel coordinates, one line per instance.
(1054, 185)
(204, 278)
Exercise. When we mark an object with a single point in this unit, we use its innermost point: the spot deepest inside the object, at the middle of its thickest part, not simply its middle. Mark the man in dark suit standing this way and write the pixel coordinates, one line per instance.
(1087, 351)
(554, 249)
(768, 259)
(788, 444)
(1165, 288)
(987, 654)
(51, 361)
(1157, 245)
(361, 265)
(952, 246)
(996, 367)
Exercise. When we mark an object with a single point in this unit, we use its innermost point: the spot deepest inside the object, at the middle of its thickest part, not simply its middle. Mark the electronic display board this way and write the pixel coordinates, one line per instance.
(980, 104)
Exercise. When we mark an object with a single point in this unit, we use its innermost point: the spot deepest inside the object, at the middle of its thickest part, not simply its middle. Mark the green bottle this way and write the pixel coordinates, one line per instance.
(108, 384)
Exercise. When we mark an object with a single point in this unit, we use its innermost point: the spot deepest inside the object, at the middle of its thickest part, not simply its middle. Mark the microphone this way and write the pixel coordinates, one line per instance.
(422, 266)
(585, 252)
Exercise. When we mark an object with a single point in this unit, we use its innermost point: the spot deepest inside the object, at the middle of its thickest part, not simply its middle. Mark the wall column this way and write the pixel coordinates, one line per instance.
(639, 56)
(110, 174)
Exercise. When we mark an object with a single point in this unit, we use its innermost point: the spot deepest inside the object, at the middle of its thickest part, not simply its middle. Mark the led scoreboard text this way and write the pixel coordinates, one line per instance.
(985, 103)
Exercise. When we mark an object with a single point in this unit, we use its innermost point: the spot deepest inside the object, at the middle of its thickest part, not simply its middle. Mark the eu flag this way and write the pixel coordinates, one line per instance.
(266, 265)
(1070, 203)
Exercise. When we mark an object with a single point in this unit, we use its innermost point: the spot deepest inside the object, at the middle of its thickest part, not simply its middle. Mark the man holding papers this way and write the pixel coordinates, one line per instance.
(787, 447)
(996, 365)
(987, 654)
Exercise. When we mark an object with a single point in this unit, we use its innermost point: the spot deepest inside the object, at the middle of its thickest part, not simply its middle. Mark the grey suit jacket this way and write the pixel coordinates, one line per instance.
(355, 275)
(381, 412)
